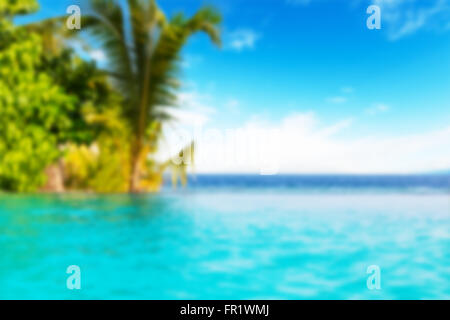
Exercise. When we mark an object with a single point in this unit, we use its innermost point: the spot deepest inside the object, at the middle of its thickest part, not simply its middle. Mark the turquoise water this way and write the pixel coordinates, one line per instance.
(225, 243)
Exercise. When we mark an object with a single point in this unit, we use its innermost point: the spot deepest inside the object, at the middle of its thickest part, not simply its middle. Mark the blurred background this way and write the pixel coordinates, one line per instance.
(224, 150)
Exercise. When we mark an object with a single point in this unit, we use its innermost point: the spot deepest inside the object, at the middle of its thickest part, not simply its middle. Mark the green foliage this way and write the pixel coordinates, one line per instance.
(103, 167)
(55, 105)
(89, 88)
(31, 108)
(10, 8)
(43, 101)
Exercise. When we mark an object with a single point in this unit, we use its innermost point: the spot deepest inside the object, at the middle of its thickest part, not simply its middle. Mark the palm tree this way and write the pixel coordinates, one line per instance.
(143, 49)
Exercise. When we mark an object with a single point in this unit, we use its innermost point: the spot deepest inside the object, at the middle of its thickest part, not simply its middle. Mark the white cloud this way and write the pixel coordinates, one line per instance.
(304, 146)
(347, 90)
(297, 143)
(193, 109)
(378, 108)
(337, 100)
(405, 17)
(232, 106)
(343, 98)
(300, 144)
(242, 39)
(232, 103)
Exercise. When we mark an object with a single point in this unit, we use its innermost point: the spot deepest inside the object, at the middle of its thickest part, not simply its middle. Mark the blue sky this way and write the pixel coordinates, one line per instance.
(316, 62)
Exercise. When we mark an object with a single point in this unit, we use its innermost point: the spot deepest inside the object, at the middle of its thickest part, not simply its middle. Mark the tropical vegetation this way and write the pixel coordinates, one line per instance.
(97, 129)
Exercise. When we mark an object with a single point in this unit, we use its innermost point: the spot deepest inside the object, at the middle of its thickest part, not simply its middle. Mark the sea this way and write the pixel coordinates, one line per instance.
(233, 237)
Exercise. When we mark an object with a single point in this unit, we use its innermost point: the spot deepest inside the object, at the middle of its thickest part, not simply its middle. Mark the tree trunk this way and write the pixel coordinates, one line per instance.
(135, 170)
(55, 178)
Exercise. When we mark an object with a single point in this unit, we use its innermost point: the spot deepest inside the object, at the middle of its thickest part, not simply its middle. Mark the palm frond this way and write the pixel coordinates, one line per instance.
(106, 22)
(166, 56)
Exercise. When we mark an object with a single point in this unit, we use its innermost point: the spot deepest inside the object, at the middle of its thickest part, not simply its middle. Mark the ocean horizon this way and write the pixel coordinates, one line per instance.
(436, 182)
